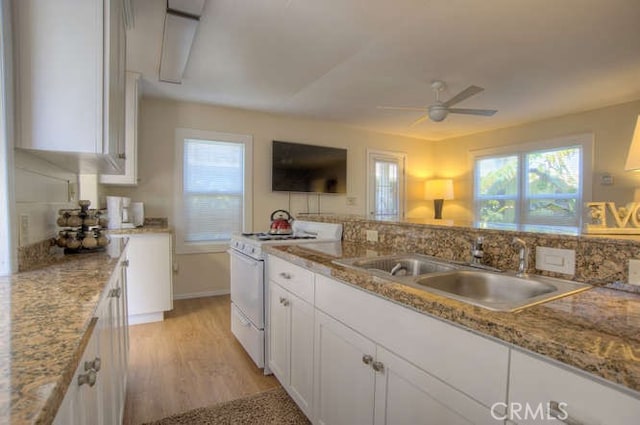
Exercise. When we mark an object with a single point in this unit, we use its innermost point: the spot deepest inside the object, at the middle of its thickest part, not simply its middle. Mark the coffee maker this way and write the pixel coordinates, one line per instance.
(123, 214)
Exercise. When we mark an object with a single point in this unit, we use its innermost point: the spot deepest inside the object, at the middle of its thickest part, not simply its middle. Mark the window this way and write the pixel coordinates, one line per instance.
(535, 187)
(213, 189)
(386, 184)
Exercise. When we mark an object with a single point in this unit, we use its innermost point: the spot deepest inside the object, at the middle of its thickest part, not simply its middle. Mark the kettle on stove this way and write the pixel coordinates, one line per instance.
(281, 223)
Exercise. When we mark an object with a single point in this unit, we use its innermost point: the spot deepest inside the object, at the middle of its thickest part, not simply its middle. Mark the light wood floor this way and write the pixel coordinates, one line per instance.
(189, 360)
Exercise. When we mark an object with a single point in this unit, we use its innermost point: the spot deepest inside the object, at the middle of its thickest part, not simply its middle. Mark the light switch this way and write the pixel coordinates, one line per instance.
(556, 260)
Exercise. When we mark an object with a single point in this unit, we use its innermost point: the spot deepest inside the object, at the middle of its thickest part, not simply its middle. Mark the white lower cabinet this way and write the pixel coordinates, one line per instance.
(360, 382)
(149, 277)
(535, 384)
(407, 395)
(291, 344)
(344, 380)
(97, 391)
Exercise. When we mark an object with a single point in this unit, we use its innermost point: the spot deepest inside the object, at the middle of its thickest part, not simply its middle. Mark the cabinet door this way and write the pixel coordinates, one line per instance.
(344, 382)
(149, 275)
(107, 375)
(114, 74)
(534, 384)
(407, 395)
(132, 97)
(279, 333)
(301, 353)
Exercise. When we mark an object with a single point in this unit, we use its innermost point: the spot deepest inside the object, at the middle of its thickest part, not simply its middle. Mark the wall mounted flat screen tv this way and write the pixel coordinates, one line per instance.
(298, 167)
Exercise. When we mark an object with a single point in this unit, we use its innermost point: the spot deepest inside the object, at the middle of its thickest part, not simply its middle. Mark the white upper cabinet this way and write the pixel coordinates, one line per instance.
(69, 73)
(132, 97)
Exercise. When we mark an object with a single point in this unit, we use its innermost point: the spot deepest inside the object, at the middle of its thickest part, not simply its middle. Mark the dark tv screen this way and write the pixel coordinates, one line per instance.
(298, 167)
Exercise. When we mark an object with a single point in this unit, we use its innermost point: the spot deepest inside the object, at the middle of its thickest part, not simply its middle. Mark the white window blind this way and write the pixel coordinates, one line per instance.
(214, 190)
(533, 189)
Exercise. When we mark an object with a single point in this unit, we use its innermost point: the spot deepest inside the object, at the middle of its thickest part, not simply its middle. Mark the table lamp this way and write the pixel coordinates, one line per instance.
(438, 190)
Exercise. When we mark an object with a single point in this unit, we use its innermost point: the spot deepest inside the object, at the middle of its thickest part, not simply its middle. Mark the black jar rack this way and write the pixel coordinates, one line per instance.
(83, 229)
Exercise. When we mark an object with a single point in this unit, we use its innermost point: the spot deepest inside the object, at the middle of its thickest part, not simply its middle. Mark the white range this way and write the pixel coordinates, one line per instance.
(248, 282)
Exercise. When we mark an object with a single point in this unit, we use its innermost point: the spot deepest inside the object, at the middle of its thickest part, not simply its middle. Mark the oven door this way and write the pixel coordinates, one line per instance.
(247, 286)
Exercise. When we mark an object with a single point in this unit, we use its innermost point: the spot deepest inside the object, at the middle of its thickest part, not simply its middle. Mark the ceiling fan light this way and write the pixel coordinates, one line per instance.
(438, 113)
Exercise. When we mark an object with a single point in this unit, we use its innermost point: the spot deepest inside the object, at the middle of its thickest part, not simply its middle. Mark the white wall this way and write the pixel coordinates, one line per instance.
(158, 121)
(612, 128)
(41, 189)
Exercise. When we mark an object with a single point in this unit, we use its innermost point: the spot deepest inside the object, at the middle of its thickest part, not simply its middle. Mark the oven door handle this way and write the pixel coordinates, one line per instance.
(250, 261)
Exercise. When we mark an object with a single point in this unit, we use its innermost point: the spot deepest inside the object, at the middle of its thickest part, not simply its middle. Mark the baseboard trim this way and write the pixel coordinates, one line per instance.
(202, 294)
(138, 319)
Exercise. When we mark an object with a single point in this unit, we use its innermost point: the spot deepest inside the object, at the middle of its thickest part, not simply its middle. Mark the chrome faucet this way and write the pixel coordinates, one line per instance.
(523, 257)
(476, 250)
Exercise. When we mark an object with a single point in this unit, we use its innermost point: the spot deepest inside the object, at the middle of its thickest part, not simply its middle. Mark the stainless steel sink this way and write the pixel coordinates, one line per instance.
(499, 292)
(399, 265)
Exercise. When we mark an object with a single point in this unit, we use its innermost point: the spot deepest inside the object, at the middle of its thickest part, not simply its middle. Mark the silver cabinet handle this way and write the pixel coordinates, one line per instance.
(122, 156)
(377, 366)
(367, 359)
(125, 263)
(94, 364)
(88, 378)
(284, 301)
(560, 414)
(115, 293)
(285, 275)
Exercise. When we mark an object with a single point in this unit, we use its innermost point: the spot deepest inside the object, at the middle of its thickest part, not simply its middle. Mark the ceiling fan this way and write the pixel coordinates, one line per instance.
(439, 110)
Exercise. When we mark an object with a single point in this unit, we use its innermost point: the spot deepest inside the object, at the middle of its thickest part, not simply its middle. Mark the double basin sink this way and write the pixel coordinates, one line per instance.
(498, 291)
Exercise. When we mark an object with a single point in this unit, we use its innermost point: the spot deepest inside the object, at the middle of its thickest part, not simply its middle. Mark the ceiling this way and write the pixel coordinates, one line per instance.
(339, 60)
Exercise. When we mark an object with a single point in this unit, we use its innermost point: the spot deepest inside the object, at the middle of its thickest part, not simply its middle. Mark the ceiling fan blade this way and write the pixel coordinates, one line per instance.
(468, 92)
(403, 108)
(483, 112)
(419, 120)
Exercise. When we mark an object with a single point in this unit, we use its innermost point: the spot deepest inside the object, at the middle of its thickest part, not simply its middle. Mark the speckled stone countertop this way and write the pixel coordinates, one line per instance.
(597, 331)
(139, 230)
(46, 319)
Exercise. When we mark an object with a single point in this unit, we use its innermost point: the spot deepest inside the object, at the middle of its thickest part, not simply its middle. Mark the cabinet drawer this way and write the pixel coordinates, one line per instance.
(536, 382)
(470, 363)
(293, 278)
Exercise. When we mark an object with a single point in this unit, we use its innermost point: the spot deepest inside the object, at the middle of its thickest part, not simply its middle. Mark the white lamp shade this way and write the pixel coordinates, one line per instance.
(438, 189)
(633, 157)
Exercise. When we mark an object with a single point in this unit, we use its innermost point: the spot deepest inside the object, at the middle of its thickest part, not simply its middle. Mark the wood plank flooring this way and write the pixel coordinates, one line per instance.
(189, 360)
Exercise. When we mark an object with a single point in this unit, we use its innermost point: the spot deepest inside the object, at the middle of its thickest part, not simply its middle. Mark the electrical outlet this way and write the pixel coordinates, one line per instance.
(372, 235)
(634, 272)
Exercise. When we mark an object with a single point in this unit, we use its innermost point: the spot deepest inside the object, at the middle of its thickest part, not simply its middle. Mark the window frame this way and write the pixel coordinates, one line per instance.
(585, 141)
(183, 134)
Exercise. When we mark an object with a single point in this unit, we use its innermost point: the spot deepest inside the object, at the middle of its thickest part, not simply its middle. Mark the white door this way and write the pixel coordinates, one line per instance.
(279, 333)
(385, 184)
(301, 354)
(407, 395)
(344, 379)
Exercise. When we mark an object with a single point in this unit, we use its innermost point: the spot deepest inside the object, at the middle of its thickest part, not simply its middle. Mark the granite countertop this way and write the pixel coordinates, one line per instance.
(46, 319)
(147, 228)
(597, 331)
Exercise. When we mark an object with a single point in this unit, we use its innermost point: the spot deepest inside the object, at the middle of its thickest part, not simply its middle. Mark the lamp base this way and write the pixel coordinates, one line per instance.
(437, 207)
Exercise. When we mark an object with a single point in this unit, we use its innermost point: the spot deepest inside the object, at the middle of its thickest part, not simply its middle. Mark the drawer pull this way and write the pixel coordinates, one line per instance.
(561, 415)
(94, 364)
(367, 359)
(378, 366)
(284, 301)
(285, 275)
(88, 378)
